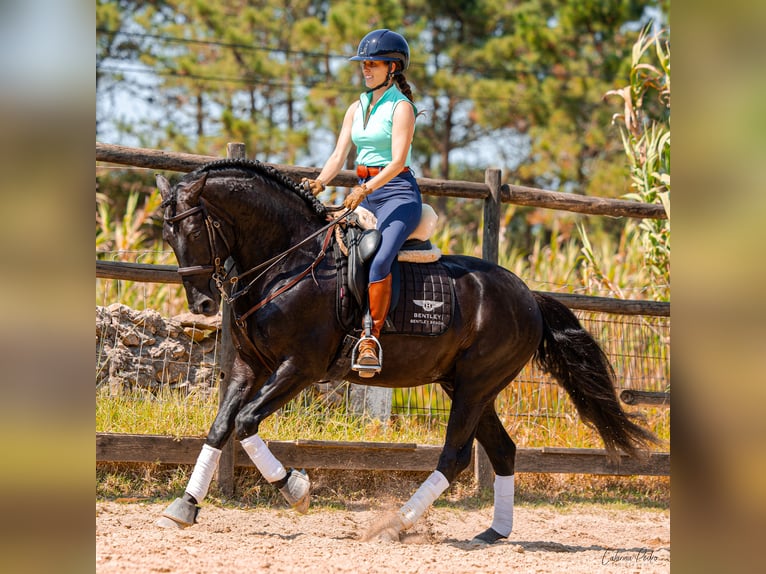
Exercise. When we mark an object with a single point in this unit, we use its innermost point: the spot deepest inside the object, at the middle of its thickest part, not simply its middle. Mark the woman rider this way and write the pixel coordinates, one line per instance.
(381, 124)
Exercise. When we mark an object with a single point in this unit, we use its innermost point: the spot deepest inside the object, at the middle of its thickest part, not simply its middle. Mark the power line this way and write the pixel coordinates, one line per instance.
(177, 40)
(516, 70)
(205, 78)
(259, 81)
(252, 81)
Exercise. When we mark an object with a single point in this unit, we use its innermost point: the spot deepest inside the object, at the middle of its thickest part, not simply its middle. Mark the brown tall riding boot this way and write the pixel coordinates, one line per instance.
(379, 294)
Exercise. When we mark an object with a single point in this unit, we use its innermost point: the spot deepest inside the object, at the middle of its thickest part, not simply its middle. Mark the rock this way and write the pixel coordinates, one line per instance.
(131, 339)
(194, 334)
(142, 349)
(151, 321)
(196, 321)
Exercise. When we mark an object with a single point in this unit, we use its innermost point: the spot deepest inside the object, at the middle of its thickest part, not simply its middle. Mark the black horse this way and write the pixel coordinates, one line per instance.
(286, 328)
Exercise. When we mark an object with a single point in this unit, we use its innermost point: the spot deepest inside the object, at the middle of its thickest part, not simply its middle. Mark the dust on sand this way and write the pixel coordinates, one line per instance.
(576, 538)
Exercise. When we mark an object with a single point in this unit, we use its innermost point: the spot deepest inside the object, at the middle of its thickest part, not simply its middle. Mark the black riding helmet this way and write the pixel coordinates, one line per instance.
(384, 45)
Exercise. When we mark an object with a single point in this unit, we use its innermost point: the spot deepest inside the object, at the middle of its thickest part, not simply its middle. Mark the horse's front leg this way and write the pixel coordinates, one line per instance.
(183, 511)
(284, 384)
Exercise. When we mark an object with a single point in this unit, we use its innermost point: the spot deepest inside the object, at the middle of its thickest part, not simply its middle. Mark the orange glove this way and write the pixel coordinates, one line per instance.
(313, 185)
(358, 193)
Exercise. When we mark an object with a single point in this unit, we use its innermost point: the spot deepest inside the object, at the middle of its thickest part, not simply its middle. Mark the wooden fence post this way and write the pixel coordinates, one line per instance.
(490, 249)
(225, 476)
(491, 237)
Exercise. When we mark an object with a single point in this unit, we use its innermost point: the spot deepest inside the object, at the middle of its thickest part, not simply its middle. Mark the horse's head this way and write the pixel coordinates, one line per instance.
(193, 236)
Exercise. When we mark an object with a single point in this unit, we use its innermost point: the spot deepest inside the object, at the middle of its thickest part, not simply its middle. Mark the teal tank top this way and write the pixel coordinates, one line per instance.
(373, 141)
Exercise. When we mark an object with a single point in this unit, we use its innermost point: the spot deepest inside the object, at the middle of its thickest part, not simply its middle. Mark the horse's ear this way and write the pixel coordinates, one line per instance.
(164, 186)
(193, 189)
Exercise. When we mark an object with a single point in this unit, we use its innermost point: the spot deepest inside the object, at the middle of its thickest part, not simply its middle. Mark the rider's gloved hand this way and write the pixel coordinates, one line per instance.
(315, 186)
(358, 193)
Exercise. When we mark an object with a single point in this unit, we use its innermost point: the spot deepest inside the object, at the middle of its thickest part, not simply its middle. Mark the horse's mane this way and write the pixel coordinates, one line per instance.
(267, 172)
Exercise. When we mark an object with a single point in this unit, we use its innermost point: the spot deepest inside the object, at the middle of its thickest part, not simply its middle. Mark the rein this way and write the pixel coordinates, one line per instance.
(274, 260)
(267, 265)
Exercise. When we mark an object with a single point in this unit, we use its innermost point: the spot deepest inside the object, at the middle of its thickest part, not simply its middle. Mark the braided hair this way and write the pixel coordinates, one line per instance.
(268, 172)
(404, 86)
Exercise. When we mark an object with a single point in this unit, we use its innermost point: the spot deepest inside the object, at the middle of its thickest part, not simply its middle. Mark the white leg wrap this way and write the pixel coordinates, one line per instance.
(429, 491)
(264, 461)
(502, 522)
(207, 462)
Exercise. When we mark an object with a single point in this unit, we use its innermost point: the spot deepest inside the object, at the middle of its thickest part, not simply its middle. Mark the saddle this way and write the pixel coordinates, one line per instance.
(422, 290)
(362, 240)
(361, 244)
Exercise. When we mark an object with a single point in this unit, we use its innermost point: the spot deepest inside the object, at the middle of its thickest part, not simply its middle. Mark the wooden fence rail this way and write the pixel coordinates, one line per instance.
(112, 447)
(377, 456)
(636, 397)
(515, 194)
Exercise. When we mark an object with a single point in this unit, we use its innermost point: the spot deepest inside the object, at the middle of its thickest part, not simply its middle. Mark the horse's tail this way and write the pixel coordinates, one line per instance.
(573, 357)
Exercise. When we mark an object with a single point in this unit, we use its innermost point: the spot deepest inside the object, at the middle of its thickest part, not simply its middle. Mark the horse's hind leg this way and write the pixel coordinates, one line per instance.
(455, 457)
(501, 452)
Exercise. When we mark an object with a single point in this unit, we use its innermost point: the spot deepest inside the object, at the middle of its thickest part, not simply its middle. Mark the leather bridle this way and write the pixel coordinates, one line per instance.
(219, 274)
(213, 231)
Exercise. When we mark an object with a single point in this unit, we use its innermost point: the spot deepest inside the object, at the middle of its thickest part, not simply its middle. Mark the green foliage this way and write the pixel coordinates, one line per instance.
(420, 419)
(275, 75)
(165, 411)
(645, 132)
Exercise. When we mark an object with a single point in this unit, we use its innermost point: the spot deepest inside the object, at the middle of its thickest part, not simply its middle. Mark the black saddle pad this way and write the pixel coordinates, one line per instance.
(426, 300)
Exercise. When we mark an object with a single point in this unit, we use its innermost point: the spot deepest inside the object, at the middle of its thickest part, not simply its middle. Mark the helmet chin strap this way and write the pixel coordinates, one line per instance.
(389, 77)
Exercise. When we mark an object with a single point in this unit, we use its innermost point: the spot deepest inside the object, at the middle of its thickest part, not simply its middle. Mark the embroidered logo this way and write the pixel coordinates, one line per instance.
(425, 300)
(427, 305)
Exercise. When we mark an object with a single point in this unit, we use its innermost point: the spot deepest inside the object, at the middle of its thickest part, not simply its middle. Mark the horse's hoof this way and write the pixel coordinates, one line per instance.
(181, 513)
(489, 536)
(297, 491)
(387, 528)
(302, 506)
(165, 522)
(390, 534)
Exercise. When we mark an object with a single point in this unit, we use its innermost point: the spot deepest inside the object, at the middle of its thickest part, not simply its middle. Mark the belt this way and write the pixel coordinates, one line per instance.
(364, 171)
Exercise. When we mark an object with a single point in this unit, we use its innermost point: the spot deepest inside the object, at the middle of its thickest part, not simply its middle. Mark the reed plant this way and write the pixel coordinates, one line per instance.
(126, 235)
(644, 128)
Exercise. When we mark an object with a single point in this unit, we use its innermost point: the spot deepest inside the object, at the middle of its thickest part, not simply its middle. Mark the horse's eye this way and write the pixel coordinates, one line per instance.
(196, 234)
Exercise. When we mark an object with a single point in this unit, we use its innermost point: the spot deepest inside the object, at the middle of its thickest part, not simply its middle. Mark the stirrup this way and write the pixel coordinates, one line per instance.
(367, 371)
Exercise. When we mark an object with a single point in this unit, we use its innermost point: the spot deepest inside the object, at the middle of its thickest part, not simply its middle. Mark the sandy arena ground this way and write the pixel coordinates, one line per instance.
(573, 539)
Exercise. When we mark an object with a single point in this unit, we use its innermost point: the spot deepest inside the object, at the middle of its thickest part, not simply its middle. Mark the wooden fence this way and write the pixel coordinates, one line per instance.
(388, 456)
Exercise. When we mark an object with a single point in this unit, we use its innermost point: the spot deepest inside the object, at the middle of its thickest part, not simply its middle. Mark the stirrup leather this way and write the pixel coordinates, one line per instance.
(366, 371)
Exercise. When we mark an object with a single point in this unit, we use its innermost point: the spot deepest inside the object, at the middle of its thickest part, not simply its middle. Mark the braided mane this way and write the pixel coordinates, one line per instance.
(268, 172)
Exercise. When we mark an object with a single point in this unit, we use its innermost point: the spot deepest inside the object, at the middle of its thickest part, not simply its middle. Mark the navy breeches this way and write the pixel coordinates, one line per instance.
(397, 207)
